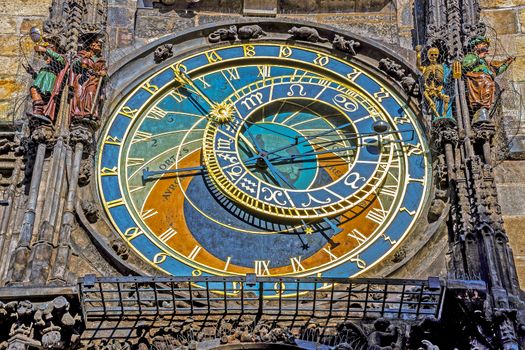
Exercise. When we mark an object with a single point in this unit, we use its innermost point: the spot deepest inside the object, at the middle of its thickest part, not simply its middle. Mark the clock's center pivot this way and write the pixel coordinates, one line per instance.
(260, 162)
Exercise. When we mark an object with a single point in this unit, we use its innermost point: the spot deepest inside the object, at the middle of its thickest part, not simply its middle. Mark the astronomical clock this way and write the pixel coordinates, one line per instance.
(279, 155)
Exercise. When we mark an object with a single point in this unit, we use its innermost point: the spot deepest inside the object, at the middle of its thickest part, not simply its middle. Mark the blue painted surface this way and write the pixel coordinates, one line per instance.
(169, 131)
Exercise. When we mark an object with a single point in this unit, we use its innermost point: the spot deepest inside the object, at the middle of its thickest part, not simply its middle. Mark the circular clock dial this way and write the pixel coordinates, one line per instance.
(262, 159)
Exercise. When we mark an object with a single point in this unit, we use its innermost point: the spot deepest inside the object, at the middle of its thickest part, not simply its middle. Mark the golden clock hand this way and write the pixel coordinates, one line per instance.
(184, 79)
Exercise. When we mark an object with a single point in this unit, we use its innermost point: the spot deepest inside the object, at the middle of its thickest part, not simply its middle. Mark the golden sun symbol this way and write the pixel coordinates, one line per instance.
(308, 230)
(222, 112)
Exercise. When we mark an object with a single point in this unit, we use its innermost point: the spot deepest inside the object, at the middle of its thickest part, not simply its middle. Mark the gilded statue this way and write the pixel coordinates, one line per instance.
(434, 76)
(480, 75)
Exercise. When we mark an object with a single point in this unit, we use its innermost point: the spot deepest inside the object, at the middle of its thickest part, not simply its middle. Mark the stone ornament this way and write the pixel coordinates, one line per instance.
(162, 53)
(232, 33)
(342, 44)
(397, 72)
(250, 32)
(306, 34)
(223, 34)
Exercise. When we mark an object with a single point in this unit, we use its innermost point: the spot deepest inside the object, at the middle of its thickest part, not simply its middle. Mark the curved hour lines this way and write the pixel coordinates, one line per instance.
(226, 138)
(414, 150)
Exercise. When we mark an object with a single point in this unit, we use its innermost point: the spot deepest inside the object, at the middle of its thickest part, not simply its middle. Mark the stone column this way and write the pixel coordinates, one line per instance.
(42, 136)
(81, 137)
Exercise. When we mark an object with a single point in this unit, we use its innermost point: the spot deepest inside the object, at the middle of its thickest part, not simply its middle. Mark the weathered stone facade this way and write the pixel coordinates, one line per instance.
(16, 19)
(52, 233)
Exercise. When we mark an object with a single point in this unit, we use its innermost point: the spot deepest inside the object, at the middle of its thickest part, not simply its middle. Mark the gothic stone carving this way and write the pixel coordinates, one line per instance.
(48, 325)
(223, 34)
(162, 53)
(250, 32)
(342, 44)
(232, 33)
(306, 34)
(399, 74)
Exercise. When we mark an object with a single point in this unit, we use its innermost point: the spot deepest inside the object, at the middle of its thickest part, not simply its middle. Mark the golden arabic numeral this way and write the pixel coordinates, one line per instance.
(381, 95)
(178, 67)
(150, 87)
(112, 140)
(159, 258)
(285, 51)
(279, 287)
(213, 56)
(354, 74)
(132, 232)
(412, 149)
(361, 264)
(128, 112)
(321, 60)
(109, 171)
(249, 50)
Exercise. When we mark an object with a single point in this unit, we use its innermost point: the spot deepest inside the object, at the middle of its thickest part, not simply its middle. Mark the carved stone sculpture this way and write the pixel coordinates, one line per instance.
(342, 44)
(397, 72)
(87, 72)
(480, 75)
(223, 34)
(162, 53)
(250, 32)
(434, 75)
(306, 34)
(384, 336)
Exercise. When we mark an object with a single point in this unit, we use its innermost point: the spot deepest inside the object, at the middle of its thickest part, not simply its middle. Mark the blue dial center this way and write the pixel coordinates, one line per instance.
(300, 172)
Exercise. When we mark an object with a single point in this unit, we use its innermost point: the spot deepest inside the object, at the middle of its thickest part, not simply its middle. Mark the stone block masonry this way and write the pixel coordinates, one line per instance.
(505, 21)
(16, 19)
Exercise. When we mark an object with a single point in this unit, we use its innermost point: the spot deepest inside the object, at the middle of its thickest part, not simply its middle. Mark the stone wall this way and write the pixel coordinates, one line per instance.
(133, 24)
(16, 19)
(505, 21)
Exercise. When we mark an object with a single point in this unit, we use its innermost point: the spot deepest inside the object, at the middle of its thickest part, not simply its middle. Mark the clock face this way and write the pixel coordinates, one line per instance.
(263, 158)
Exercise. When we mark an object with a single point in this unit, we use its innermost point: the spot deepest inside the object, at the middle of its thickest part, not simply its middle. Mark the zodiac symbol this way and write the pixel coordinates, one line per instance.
(272, 195)
(356, 177)
(292, 93)
(248, 185)
(315, 200)
(345, 102)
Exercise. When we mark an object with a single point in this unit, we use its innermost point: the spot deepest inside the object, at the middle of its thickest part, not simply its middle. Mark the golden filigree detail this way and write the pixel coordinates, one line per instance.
(222, 113)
